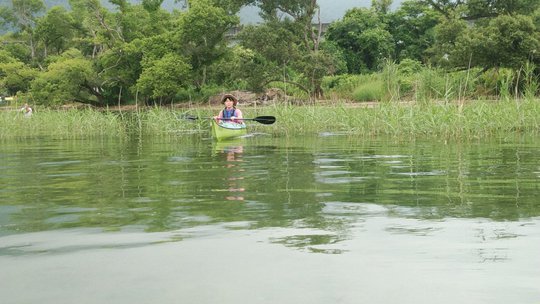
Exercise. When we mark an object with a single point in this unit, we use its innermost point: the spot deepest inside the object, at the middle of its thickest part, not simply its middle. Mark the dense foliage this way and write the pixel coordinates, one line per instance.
(127, 53)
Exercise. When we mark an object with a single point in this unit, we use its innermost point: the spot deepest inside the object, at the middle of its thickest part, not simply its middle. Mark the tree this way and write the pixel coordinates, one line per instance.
(15, 76)
(115, 41)
(120, 63)
(70, 77)
(7, 17)
(413, 29)
(152, 6)
(200, 36)
(274, 46)
(479, 9)
(97, 26)
(163, 78)
(140, 21)
(507, 41)
(446, 34)
(55, 30)
(241, 68)
(288, 43)
(315, 66)
(381, 6)
(22, 15)
(118, 69)
(364, 39)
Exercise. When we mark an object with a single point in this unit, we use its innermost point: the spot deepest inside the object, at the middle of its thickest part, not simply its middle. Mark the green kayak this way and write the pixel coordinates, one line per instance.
(227, 130)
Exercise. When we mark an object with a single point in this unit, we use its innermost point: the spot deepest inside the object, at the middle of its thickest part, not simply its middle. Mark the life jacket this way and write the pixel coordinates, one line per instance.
(227, 114)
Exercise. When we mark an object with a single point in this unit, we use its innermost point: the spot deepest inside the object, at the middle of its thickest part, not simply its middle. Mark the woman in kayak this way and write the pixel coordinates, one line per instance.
(230, 113)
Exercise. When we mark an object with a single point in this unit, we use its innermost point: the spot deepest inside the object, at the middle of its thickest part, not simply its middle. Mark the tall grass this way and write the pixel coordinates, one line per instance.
(411, 81)
(473, 120)
(89, 123)
(532, 83)
(470, 120)
(505, 84)
(61, 123)
(390, 79)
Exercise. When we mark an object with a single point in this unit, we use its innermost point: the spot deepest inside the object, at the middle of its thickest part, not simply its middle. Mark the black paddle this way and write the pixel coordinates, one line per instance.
(265, 120)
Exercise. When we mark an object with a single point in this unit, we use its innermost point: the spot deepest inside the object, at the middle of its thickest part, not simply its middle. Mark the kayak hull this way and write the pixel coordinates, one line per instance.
(227, 130)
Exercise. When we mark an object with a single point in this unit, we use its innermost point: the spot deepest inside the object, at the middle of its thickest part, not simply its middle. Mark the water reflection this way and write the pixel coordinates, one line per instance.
(232, 152)
(328, 184)
(315, 243)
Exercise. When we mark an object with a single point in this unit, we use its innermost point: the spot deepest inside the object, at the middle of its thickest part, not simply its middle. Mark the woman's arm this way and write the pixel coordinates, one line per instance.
(219, 116)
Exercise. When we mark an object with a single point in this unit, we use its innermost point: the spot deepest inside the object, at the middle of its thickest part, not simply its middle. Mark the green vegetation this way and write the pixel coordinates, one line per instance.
(95, 123)
(472, 120)
(140, 53)
(410, 81)
(466, 121)
(423, 65)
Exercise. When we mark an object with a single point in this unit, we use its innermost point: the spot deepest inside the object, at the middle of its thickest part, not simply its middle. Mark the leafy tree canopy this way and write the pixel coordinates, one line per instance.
(364, 39)
(93, 54)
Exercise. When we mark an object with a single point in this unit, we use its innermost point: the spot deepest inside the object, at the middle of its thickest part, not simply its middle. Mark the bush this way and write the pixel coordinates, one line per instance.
(343, 86)
(369, 91)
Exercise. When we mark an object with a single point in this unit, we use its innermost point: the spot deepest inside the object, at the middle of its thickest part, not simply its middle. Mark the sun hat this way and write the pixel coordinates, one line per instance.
(231, 97)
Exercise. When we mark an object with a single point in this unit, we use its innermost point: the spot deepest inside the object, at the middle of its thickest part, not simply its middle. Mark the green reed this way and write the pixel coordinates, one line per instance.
(88, 123)
(74, 123)
(458, 120)
(531, 81)
(472, 120)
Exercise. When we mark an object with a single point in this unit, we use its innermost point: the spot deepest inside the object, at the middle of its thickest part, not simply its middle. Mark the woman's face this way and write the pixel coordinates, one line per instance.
(228, 103)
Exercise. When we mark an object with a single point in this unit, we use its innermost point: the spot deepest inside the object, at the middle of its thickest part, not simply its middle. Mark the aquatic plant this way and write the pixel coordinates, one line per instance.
(449, 119)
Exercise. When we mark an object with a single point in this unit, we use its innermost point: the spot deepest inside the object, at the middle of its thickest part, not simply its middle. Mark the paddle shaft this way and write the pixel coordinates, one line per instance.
(267, 120)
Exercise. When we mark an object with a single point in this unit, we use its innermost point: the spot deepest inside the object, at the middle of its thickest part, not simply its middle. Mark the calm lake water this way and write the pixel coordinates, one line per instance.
(328, 219)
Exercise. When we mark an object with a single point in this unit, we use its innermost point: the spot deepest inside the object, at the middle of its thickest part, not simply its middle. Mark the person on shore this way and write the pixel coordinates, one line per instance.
(26, 110)
(230, 113)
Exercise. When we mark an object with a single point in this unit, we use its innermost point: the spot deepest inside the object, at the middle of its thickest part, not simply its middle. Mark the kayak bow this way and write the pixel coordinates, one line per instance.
(227, 130)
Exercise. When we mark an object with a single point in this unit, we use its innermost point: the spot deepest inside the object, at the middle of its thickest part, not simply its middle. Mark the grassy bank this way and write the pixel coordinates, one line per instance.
(471, 120)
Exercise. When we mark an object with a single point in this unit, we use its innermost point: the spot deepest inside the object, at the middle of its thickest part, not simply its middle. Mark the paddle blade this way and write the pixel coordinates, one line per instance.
(266, 120)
